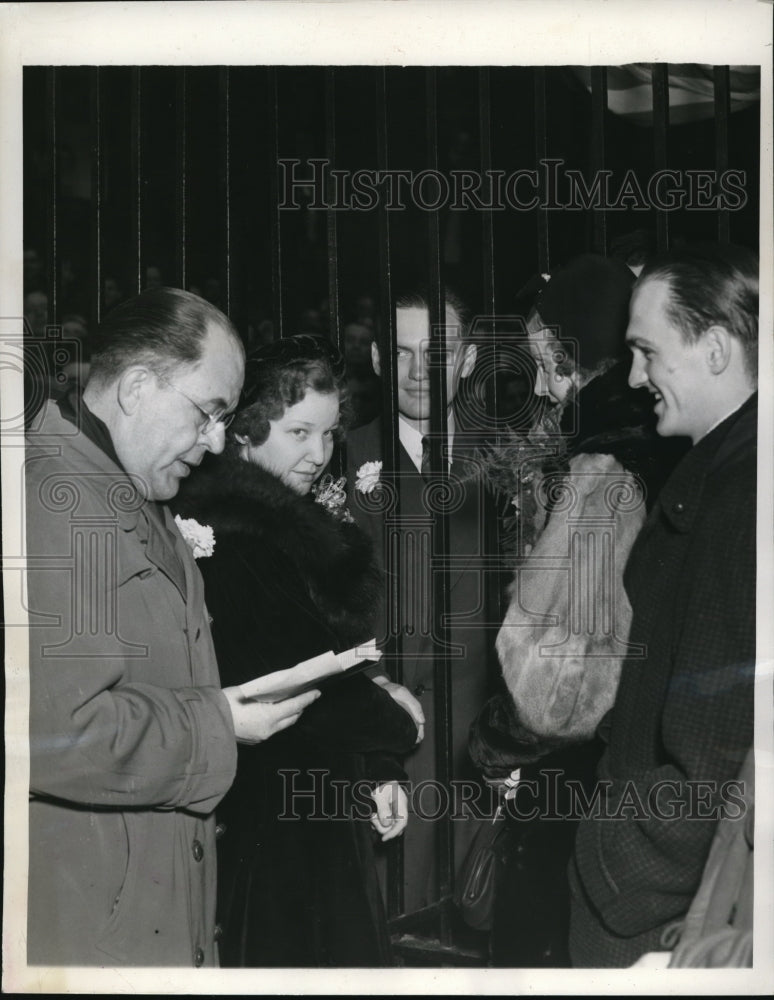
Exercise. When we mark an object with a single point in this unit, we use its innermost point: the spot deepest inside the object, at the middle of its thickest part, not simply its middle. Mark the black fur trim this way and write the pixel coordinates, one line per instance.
(247, 505)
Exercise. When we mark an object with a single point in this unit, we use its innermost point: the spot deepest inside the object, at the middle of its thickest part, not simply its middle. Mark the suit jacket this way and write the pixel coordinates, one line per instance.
(684, 711)
(131, 739)
(471, 637)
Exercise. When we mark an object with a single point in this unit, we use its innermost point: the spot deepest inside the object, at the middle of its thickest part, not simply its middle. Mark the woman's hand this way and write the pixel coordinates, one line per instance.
(256, 721)
(406, 700)
(391, 814)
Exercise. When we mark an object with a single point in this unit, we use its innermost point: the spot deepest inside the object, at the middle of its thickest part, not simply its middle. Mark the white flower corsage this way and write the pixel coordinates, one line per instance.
(332, 494)
(368, 477)
(199, 537)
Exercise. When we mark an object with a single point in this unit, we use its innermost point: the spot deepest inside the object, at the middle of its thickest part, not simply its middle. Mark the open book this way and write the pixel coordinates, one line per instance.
(315, 673)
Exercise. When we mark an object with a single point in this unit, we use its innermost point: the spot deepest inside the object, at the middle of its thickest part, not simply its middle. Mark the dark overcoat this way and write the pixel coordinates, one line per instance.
(471, 637)
(683, 717)
(287, 581)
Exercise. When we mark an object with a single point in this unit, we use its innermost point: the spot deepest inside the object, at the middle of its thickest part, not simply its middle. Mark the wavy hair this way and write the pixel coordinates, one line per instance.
(278, 375)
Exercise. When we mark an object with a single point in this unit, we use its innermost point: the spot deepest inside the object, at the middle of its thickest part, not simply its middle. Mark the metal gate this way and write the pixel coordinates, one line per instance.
(240, 183)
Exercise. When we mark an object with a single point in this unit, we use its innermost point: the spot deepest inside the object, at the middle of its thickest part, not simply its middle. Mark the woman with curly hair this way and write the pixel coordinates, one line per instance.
(290, 577)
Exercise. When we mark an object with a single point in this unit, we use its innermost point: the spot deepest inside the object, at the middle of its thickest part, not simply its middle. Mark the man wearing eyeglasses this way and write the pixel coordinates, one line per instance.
(132, 740)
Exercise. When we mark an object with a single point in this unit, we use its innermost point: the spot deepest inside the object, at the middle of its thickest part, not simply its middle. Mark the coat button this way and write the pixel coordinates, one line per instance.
(218, 934)
(197, 850)
(220, 830)
(198, 958)
(678, 508)
(419, 690)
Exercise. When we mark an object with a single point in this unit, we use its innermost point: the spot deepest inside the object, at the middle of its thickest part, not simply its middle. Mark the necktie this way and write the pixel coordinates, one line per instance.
(425, 470)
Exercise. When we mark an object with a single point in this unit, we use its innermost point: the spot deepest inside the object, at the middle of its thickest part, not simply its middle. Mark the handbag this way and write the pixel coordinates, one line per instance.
(474, 895)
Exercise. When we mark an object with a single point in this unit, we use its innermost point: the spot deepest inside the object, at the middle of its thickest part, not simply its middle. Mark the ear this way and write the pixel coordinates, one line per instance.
(240, 438)
(132, 385)
(375, 360)
(468, 360)
(718, 349)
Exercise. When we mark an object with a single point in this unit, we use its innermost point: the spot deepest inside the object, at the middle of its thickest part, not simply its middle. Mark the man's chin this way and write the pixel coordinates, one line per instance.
(167, 490)
(414, 407)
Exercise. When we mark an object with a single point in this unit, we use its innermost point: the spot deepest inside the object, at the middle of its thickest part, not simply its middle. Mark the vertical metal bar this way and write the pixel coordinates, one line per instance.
(722, 112)
(52, 263)
(96, 194)
(335, 332)
(224, 98)
(660, 75)
(440, 526)
(541, 153)
(135, 115)
(273, 152)
(395, 901)
(597, 152)
(487, 221)
(181, 176)
(491, 540)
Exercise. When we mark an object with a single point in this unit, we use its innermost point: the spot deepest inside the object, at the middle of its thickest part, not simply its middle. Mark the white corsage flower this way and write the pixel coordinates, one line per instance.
(368, 477)
(199, 537)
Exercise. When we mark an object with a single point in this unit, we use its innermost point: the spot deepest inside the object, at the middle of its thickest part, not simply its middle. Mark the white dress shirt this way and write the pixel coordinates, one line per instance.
(411, 439)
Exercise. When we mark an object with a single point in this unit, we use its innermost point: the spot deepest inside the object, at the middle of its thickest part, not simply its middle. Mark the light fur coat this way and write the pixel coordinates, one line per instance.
(564, 636)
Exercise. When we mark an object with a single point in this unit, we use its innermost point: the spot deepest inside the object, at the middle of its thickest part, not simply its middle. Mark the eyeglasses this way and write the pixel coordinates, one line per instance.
(209, 420)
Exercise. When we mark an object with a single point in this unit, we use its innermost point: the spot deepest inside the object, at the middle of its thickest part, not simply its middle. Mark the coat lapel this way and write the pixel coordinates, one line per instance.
(132, 513)
(160, 549)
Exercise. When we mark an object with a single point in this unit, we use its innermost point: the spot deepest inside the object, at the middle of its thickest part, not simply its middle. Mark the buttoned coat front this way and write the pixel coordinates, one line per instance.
(683, 717)
(131, 739)
(471, 637)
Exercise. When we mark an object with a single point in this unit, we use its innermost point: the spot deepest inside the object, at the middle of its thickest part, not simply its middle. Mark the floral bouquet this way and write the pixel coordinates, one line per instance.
(514, 469)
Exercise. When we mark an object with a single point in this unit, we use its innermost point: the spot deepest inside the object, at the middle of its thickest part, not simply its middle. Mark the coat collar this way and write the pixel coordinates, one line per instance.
(160, 542)
(681, 497)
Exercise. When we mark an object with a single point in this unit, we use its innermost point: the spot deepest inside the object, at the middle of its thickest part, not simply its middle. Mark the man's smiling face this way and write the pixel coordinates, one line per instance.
(663, 362)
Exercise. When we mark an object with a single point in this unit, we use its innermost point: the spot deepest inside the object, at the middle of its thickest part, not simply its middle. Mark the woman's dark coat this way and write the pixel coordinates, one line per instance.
(288, 581)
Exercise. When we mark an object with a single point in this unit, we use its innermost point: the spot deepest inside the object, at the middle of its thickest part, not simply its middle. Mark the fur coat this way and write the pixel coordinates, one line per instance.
(565, 632)
(561, 647)
(287, 581)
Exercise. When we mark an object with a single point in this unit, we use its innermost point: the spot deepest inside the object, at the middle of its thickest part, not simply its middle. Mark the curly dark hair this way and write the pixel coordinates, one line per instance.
(278, 375)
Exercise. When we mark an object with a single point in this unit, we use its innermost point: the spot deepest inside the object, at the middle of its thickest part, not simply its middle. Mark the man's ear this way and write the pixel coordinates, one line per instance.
(132, 385)
(375, 360)
(469, 360)
(718, 349)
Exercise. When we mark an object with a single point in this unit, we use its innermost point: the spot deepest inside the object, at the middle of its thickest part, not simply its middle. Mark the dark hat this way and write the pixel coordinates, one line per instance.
(588, 303)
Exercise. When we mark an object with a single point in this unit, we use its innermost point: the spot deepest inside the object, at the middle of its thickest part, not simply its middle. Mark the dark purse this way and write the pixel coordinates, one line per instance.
(477, 879)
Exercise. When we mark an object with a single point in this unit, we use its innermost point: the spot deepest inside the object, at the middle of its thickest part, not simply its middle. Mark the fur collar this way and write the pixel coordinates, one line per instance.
(246, 506)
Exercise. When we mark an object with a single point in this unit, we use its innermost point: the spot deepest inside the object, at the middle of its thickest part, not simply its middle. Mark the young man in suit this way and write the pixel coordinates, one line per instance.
(411, 531)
